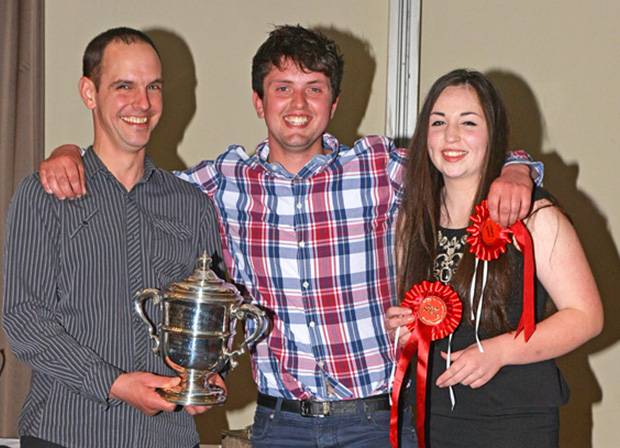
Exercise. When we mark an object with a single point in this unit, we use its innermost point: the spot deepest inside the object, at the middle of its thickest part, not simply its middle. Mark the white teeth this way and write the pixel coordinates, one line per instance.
(454, 153)
(134, 120)
(296, 120)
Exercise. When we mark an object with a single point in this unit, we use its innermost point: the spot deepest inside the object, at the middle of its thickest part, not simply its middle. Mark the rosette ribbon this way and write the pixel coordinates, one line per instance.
(437, 312)
(487, 241)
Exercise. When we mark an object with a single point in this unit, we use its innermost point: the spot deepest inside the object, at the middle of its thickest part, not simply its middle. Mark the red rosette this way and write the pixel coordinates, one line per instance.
(436, 305)
(487, 240)
(437, 312)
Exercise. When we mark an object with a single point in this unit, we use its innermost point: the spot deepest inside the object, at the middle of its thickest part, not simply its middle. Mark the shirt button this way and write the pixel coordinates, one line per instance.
(312, 324)
(305, 285)
(302, 244)
(299, 206)
(321, 364)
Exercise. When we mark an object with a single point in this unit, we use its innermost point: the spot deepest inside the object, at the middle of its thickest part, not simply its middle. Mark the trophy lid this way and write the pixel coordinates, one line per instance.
(204, 285)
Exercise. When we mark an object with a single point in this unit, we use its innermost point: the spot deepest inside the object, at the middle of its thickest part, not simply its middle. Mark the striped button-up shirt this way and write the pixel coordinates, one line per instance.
(315, 248)
(71, 270)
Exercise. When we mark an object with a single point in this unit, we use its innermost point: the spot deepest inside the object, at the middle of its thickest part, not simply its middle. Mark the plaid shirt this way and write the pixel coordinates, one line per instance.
(316, 250)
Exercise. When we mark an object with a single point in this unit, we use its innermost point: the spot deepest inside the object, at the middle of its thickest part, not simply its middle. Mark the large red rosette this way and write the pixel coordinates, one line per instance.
(437, 312)
(487, 241)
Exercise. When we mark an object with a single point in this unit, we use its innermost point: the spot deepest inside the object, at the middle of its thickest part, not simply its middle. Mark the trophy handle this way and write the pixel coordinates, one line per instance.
(242, 312)
(139, 299)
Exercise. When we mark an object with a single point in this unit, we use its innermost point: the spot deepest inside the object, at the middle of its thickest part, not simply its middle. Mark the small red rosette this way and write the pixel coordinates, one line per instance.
(437, 312)
(488, 240)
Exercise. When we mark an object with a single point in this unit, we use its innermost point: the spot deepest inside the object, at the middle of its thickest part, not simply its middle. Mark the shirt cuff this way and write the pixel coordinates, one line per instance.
(98, 382)
(523, 157)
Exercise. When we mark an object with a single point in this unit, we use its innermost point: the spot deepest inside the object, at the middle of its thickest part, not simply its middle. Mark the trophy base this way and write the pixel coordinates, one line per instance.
(202, 398)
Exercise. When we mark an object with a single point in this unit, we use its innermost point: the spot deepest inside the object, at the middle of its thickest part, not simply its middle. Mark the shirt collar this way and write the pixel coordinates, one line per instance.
(314, 166)
(93, 166)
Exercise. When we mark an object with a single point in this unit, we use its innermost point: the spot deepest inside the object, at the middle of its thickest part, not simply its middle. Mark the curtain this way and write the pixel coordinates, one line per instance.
(21, 149)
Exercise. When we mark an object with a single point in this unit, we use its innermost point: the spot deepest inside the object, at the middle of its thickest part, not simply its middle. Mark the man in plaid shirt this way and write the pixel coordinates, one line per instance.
(308, 229)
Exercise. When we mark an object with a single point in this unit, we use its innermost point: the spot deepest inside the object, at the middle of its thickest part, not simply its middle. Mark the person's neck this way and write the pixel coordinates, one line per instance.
(291, 161)
(458, 201)
(126, 167)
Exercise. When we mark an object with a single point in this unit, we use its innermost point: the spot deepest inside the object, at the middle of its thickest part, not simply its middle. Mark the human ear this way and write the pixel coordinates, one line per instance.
(258, 105)
(334, 107)
(88, 91)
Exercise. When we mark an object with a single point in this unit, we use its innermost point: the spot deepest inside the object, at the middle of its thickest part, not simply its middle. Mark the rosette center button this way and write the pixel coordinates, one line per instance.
(432, 311)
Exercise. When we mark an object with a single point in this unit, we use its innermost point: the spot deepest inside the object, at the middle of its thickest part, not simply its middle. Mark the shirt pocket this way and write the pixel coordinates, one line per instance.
(172, 250)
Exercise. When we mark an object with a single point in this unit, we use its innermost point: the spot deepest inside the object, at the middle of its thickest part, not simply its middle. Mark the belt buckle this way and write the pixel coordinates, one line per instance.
(307, 409)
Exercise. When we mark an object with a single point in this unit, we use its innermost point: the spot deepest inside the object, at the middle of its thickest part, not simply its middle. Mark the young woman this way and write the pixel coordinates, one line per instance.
(507, 395)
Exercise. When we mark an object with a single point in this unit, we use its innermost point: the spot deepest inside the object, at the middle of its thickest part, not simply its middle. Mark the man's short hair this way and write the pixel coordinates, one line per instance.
(93, 55)
(309, 50)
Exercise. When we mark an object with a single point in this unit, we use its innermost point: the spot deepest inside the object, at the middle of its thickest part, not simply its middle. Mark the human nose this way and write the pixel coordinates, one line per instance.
(142, 100)
(299, 98)
(452, 133)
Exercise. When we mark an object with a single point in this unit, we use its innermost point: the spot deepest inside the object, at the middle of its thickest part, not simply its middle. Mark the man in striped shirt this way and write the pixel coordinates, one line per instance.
(308, 230)
(72, 268)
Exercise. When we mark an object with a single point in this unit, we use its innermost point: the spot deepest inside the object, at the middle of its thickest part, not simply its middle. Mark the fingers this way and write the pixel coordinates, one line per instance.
(153, 403)
(45, 182)
(405, 334)
(470, 368)
(161, 382)
(217, 380)
(524, 209)
(451, 376)
(493, 204)
(138, 389)
(507, 210)
(65, 185)
(196, 410)
(52, 185)
(397, 316)
(62, 183)
(453, 356)
(63, 173)
(75, 178)
(510, 195)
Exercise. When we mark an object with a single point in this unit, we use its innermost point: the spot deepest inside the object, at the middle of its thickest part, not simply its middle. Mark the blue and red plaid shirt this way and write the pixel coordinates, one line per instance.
(316, 249)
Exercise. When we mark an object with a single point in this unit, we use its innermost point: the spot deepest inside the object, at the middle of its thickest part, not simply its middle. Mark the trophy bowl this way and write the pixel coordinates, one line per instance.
(195, 334)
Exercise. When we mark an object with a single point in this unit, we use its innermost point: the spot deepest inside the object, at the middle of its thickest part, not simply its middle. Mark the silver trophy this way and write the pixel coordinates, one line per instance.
(194, 337)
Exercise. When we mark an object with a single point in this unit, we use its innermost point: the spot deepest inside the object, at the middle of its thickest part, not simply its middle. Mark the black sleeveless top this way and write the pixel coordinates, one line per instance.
(514, 387)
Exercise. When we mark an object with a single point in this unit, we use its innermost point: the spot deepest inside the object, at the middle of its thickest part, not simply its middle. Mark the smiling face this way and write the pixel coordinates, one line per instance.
(457, 134)
(128, 103)
(297, 107)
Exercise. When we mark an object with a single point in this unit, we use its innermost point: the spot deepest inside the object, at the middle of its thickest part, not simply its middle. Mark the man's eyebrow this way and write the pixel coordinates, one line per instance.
(121, 81)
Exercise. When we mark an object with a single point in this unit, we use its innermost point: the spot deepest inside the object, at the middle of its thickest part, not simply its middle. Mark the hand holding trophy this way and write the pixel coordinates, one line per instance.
(198, 316)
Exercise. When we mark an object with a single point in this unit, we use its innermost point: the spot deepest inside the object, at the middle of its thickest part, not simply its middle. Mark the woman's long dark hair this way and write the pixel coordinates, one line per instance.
(419, 217)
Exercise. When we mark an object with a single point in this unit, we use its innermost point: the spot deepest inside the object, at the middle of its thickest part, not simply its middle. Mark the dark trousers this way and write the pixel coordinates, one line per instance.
(35, 442)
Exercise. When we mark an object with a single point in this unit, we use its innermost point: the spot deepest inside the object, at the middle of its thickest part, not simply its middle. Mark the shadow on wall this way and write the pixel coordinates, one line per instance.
(527, 131)
(359, 72)
(180, 83)
(241, 393)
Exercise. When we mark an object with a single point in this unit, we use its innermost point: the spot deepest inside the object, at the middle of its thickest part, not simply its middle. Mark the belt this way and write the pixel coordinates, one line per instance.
(311, 408)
